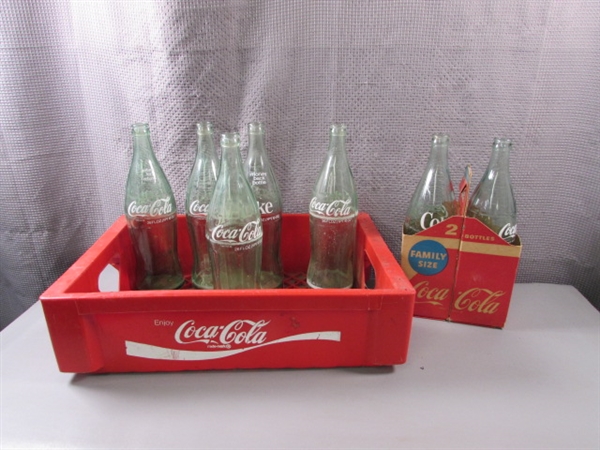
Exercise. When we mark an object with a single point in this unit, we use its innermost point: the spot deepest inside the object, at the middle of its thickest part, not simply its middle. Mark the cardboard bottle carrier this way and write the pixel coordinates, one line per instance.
(461, 270)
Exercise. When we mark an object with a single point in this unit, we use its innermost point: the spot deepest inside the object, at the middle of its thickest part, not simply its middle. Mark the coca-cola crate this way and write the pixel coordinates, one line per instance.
(190, 329)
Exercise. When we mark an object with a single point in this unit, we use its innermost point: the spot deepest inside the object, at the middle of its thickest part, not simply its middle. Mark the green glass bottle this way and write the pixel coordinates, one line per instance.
(201, 185)
(151, 217)
(266, 191)
(233, 225)
(433, 200)
(333, 213)
(493, 201)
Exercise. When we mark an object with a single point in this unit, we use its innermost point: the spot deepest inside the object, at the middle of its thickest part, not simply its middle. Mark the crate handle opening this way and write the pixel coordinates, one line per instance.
(108, 280)
(370, 278)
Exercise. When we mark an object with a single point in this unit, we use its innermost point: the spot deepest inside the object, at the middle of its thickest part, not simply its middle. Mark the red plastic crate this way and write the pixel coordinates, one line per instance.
(190, 329)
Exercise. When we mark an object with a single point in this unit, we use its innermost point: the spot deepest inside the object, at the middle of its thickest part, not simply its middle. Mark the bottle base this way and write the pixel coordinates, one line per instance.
(162, 282)
(317, 278)
(203, 281)
(270, 280)
(313, 286)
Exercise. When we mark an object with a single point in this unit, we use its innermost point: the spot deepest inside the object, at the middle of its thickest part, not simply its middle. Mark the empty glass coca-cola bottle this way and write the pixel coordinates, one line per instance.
(151, 217)
(493, 201)
(266, 191)
(333, 211)
(201, 185)
(433, 200)
(233, 225)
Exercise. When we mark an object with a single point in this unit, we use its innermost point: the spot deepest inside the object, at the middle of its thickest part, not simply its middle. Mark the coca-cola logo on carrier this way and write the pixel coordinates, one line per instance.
(159, 207)
(219, 340)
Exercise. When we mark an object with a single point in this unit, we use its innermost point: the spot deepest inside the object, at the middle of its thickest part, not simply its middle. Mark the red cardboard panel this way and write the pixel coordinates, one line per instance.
(486, 273)
(429, 260)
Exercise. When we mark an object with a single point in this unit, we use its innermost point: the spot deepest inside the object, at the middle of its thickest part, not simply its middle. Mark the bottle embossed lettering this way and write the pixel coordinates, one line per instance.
(493, 201)
(200, 188)
(266, 191)
(333, 211)
(151, 216)
(433, 200)
(233, 223)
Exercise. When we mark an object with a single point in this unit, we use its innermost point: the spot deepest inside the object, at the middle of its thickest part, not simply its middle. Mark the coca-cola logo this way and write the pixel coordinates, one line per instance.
(233, 234)
(508, 231)
(220, 341)
(238, 332)
(198, 208)
(428, 219)
(479, 300)
(266, 207)
(159, 207)
(432, 295)
(336, 208)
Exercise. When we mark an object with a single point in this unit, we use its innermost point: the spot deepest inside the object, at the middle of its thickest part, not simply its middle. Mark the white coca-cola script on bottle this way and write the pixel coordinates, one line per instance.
(160, 207)
(336, 208)
(427, 219)
(265, 207)
(508, 231)
(198, 209)
(250, 232)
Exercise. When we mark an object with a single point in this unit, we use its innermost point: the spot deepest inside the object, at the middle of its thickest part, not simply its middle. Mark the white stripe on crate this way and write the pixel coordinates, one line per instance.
(154, 352)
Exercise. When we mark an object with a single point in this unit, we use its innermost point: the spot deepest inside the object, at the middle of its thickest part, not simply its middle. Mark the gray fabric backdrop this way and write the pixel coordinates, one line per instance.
(74, 75)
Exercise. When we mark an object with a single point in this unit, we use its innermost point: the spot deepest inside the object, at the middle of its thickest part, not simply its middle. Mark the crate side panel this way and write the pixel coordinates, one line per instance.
(172, 341)
(74, 338)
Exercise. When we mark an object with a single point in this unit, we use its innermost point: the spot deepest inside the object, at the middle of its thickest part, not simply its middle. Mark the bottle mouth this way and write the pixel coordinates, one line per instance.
(503, 142)
(256, 128)
(140, 128)
(203, 128)
(337, 129)
(440, 138)
(231, 139)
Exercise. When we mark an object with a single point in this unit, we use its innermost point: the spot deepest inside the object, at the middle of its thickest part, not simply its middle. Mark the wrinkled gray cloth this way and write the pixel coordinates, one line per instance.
(75, 75)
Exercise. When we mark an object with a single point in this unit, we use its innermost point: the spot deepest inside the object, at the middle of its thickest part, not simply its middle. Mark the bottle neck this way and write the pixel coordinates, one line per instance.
(142, 145)
(256, 145)
(230, 152)
(438, 156)
(500, 159)
(337, 141)
(206, 146)
(230, 158)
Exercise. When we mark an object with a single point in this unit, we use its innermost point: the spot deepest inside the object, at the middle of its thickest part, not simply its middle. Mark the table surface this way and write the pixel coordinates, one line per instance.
(535, 384)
